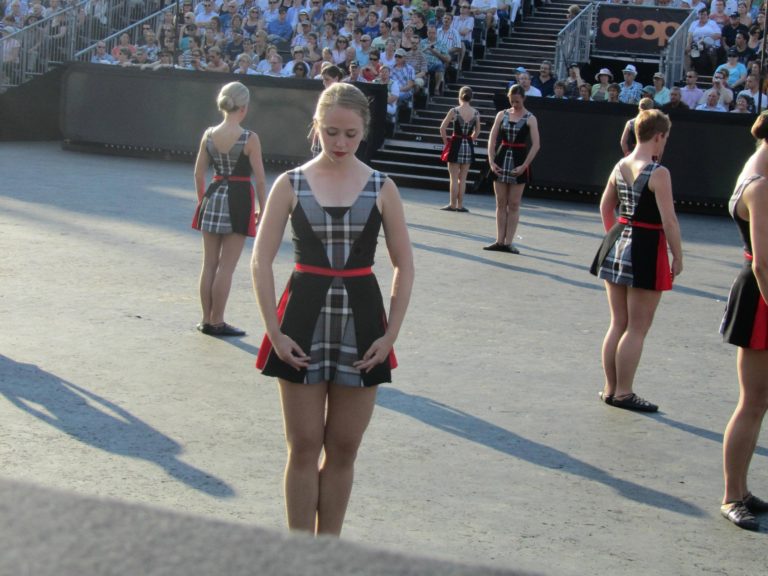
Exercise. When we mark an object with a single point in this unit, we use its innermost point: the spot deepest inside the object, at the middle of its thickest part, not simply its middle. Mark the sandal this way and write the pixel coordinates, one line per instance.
(495, 247)
(738, 513)
(224, 329)
(607, 398)
(755, 504)
(634, 402)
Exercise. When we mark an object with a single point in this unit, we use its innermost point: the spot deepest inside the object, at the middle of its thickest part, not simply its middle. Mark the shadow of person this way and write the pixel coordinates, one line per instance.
(474, 429)
(96, 421)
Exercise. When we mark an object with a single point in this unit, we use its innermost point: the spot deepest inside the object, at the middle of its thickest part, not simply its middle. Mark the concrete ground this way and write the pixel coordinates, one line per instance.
(491, 447)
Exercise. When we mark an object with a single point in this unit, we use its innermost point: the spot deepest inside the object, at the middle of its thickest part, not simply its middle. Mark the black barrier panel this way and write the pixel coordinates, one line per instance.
(169, 109)
(580, 146)
(635, 30)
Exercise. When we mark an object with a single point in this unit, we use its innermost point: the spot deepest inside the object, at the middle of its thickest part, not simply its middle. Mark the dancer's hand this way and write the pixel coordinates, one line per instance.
(290, 352)
(375, 355)
(677, 266)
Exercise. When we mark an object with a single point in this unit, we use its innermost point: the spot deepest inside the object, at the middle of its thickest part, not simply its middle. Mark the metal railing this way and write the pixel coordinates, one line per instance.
(574, 41)
(672, 57)
(34, 49)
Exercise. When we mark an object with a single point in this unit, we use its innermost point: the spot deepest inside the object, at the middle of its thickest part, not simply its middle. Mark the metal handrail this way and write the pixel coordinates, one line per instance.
(672, 57)
(33, 50)
(574, 41)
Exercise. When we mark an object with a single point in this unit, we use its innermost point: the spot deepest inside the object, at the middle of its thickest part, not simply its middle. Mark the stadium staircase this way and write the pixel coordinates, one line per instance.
(411, 156)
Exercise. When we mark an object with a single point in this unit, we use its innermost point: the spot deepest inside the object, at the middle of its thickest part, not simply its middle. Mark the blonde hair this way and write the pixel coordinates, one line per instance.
(345, 96)
(233, 97)
(646, 104)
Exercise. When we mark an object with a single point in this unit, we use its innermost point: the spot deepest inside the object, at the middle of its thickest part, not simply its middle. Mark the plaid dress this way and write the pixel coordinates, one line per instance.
(462, 149)
(634, 252)
(333, 319)
(515, 133)
(228, 205)
(745, 322)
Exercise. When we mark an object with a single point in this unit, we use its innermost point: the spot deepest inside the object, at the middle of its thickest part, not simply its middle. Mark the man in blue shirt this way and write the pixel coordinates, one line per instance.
(280, 30)
(630, 91)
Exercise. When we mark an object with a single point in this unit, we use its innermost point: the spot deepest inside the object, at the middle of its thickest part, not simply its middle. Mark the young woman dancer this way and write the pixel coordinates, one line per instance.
(461, 152)
(632, 259)
(511, 165)
(328, 342)
(745, 325)
(225, 212)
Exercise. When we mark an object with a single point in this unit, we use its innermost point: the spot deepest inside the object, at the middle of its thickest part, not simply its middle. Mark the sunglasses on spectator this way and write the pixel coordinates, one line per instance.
(399, 56)
(373, 58)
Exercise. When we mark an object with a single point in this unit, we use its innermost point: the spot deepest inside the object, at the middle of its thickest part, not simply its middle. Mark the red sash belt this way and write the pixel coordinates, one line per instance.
(748, 256)
(219, 178)
(337, 272)
(461, 137)
(506, 144)
(637, 224)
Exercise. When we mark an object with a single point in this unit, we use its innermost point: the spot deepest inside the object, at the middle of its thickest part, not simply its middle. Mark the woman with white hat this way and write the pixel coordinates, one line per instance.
(600, 89)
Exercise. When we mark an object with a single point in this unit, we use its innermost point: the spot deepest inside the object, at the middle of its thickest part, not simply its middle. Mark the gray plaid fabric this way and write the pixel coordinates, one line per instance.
(617, 266)
(516, 133)
(466, 154)
(334, 342)
(215, 215)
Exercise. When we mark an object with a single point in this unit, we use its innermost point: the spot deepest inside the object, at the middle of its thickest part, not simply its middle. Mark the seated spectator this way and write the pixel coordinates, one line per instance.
(437, 56)
(330, 74)
(271, 12)
(164, 60)
(419, 23)
(585, 92)
(730, 29)
(524, 79)
(203, 17)
(661, 92)
(101, 56)
(743, 52)
(737, 72)
(604, 78)
(703, 43)
(328, 39)
(252, 21)
(744, 17)
(124, 41)
(755, 40)
(188, 34)
(691, 93)
(711, 104)
(363, 50)
(237, 27)
(140, 58)
(372, 27)
(275, 62)
(326, 58)
(265, 65)
(150, 45)
(675, 101)
(299, 71)
(405, 76)
(387, 55)
(298, 59)
(361, 18)
(630, 91)
(227, 14)
(124, 57)
(486, 10)
(718, 14)
(302, 33)
(558, 90)
(613, 93)
(280, 30)
(544, 80)
(380, 8)
(234, 47)
(393, 91)
(213, 32)
(573, 81)
(339, 50)
(216, 62)
(464, 24)
(348, 26)
(243, 65)
(410, 41)
(744, 105)
(448, 35)
(371, 70)
(312, 53)
(720, 89)
(416, 60)
(355, 74)
(751, 89)
(385, 34)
